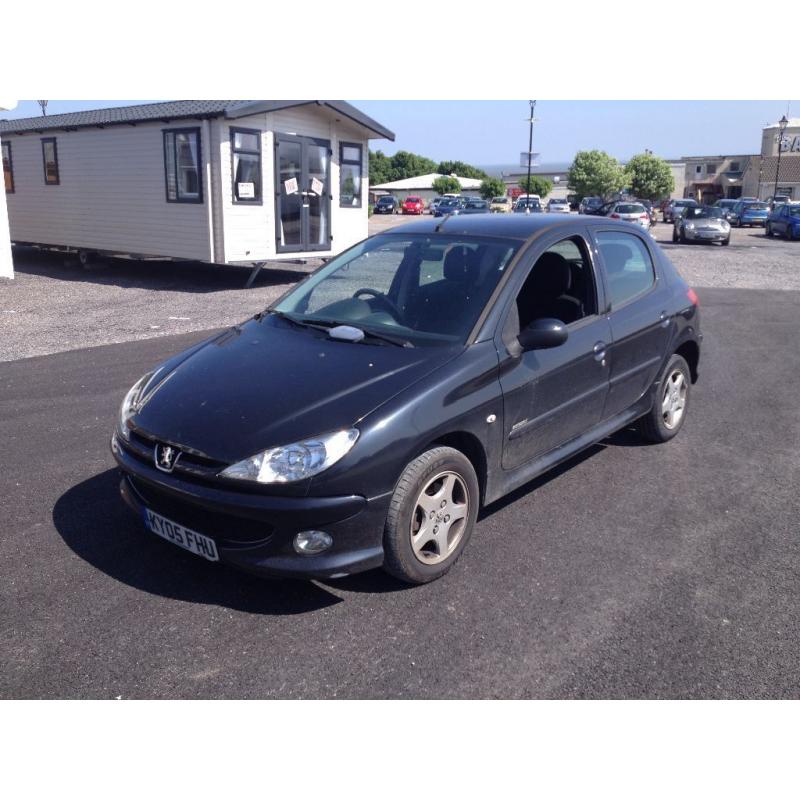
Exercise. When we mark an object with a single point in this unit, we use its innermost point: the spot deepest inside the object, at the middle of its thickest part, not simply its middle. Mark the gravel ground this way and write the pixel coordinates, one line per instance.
(53, 306)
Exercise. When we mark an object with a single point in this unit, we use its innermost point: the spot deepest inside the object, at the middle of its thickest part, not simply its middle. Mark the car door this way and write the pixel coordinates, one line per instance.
(553, 396)
(638, 312)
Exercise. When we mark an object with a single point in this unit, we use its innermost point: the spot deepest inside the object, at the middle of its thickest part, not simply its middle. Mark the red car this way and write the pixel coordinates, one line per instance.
(413, 205)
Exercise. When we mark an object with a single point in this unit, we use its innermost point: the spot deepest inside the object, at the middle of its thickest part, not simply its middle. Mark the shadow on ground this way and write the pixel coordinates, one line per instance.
(96, 524)
(176, 276)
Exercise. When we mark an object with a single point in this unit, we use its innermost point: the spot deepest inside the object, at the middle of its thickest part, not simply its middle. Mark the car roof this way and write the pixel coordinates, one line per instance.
(508, 226)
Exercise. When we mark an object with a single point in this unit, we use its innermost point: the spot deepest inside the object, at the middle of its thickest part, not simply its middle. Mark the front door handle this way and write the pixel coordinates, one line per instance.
(664, 319)
(599, 351)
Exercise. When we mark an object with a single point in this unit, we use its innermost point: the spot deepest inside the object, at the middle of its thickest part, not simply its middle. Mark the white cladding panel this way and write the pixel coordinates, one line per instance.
(111, 195)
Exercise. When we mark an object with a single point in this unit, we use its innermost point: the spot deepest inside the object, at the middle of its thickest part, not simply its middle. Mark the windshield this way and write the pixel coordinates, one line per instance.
(385, 201)
(476, 204)
(592, 201)
(499, 199)
(704, 213)
(398, 286)
(412, 199)
(685, 204)
(756, 207)
(448, 201)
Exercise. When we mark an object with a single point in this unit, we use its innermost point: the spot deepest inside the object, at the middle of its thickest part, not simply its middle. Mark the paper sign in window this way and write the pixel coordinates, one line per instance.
(317, 186)
(290, 186)
(247, 191)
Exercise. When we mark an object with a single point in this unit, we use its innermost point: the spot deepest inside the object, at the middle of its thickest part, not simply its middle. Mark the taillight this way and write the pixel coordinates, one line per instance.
(643, 216)
(615, 216)
(693, 298)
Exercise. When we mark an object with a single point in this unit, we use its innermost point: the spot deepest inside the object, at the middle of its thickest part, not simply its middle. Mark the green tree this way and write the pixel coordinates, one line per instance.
(649, 177)
(409, 165)
(444, 184)
(380, 166)
(595, 173)
(461, 169)
(492, 187)
(536, 185)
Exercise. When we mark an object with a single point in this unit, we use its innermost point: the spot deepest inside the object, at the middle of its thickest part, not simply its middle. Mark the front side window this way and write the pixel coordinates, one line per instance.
(350, 159)
(560, 286)
(246, 165)
(8, 168)
(182, 165)
(50, 160)
(629, 267)
(398, 285)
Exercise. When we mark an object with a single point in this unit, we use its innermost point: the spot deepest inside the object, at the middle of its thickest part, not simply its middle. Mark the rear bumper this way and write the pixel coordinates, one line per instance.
(255, 532)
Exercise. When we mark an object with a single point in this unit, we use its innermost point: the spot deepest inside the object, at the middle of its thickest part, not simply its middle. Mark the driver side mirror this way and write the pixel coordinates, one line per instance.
(542, 334)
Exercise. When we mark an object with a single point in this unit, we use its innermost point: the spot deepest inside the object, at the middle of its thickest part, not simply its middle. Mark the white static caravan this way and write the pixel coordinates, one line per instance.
(223, 181)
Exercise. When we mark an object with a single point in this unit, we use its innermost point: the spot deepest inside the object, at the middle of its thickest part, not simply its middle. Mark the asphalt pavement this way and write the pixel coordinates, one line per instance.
(632, 571)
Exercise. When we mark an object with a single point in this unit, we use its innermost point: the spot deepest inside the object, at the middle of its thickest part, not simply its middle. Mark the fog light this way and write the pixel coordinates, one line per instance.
(309, 543)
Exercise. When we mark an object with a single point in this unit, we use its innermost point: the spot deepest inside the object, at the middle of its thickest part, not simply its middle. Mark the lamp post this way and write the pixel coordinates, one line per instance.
(782, 127)
(530, 156)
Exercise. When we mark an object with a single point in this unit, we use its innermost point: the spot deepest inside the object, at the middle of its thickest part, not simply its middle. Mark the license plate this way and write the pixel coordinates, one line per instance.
(709, 234)
(173, 532)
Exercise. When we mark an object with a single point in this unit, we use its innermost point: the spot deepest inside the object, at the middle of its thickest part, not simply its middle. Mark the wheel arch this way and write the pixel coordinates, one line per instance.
(690, 352)
(468, 444)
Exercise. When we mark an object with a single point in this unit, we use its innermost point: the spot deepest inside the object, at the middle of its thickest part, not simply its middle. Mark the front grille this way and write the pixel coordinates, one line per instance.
(224, 528)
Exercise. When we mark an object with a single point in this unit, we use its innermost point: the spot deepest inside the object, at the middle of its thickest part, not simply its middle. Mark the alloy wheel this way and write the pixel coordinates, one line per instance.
(673, 402)
(439, 518)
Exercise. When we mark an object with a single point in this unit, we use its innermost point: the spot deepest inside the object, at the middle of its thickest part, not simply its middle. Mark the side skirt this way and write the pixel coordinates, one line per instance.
(505, 482)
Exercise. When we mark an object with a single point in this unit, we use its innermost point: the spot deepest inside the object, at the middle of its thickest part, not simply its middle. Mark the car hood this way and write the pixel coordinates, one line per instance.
(265, 383)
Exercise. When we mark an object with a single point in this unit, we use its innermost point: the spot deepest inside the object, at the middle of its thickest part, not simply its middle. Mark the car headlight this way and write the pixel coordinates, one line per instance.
(689, 226)
(294, 462)
(130, 405)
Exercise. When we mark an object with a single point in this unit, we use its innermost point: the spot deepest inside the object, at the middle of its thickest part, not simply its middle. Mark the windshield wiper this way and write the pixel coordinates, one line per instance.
(302, 323)
(327, 324)
(385, 337)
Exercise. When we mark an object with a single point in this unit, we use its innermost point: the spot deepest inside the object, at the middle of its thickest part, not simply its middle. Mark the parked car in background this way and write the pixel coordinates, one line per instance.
(779, 199)
(524, 205)
(434, 204)
(631, 212)
(704, 224)
(572, 199)
(475, 205)
(651, 210)
(675, 208)
(472, 361)
(448, 205)
(590, 205)
(386, 205)
(557, 206)
(413, 205)
(749, 213)
(727, 205)
(784, 221)
(500, 205)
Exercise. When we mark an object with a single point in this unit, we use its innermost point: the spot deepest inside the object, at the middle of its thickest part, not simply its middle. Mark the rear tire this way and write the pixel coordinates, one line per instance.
(683, 237)
(674, 236)
(726, 242)
(670, 403)
(768, 230)
(431, 516)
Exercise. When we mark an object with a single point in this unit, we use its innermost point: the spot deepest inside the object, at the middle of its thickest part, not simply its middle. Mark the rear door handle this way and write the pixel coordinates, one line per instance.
(664, 319)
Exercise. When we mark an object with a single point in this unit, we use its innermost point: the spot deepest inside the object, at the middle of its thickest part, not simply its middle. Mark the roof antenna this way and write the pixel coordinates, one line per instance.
(43, 104)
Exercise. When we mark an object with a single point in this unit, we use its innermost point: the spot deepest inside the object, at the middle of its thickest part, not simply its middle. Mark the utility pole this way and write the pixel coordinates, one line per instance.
(530, 156)
(781, 127)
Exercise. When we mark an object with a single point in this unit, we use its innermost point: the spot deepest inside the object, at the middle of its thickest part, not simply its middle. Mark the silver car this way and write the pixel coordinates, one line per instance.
(630, 212)
(558, 206)
(675, 208)
(706, 224)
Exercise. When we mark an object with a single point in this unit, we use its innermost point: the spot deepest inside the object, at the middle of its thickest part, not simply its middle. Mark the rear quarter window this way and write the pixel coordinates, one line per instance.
(628, 264)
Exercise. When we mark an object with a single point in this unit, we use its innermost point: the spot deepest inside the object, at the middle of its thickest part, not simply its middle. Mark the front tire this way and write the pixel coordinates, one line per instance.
(671, 402)
(768, 230)
(431, 515)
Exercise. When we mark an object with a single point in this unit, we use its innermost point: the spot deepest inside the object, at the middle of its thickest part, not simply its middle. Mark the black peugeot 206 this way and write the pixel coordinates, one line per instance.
(363, 419)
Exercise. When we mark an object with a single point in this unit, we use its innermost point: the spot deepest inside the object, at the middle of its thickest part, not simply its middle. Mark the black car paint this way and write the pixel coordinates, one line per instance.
(515, 415)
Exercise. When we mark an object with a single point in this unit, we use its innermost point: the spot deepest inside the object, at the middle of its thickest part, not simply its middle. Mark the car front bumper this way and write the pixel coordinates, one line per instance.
(706, 236)
(255, 532)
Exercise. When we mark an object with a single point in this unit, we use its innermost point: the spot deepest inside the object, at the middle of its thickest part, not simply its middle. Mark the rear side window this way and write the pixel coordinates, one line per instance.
(629, 267)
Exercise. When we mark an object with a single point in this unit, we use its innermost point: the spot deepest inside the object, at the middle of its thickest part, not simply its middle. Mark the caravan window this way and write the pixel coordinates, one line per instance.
(182, 165)
(50, 159)
(350, 175)
(8, 168)
(246, 165)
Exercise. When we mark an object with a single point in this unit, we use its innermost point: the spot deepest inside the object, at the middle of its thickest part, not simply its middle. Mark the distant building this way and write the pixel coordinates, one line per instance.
(422, 186)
